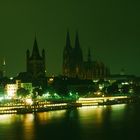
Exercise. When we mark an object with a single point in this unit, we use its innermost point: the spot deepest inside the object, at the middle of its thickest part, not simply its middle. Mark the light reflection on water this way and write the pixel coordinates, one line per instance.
(95, 113)
(85, 123)
(6, 119)
(47, 117)
(28, 126)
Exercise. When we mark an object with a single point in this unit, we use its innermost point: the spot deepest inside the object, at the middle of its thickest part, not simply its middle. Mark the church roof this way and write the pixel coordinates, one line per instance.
(35, 51)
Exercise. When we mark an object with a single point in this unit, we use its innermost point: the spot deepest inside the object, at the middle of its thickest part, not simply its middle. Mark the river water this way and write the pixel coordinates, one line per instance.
(85, 123)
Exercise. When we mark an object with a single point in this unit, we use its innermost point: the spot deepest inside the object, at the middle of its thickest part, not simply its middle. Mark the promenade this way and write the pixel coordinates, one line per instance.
(42, 106)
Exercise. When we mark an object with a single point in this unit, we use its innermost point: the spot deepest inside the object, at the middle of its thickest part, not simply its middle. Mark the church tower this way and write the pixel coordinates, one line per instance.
(72, 58)
(36, 62)
(75, 66)
(77, 58)
(67, 54)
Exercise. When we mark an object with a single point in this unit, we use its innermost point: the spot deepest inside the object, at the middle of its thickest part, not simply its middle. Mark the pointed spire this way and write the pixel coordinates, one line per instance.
(68, 43)
(3, 63)
(35, 52)
(77, 44)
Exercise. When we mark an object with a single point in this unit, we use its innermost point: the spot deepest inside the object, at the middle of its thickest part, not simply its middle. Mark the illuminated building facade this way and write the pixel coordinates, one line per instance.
(35, 63)
(75, 66)
(11, 90)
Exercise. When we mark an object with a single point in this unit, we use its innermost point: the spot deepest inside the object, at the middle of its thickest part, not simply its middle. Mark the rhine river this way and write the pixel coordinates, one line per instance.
(115, 122)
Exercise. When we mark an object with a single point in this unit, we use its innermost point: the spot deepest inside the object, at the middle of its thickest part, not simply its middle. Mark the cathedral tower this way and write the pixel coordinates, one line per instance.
(67, 54)
(72, 58)
(77, 58)
(75, 66)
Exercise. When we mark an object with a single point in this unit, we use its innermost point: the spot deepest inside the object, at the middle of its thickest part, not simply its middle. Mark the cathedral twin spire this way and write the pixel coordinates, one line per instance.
(72, 57)
(75, 66)
(77, 44)
(68, 42)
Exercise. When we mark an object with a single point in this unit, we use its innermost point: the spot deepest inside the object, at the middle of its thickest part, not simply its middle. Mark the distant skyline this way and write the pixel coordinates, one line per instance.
(111, 29)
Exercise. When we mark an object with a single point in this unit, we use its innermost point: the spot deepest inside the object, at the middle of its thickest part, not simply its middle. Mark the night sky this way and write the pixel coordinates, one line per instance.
(111, 28)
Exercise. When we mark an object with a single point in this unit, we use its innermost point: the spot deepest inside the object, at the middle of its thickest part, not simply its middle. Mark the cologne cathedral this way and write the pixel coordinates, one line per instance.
(75, 66)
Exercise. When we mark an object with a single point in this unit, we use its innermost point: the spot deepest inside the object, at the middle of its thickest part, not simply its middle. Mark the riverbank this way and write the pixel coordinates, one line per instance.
(37, 108)
(44, 106)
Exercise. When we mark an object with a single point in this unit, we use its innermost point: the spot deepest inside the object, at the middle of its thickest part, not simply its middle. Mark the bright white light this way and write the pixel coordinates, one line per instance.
(47, 95)
(95, 81)
(70, 94)
(51, 79)
(1, 98)
(101, 86)
(29, 101)
(125, 83)
(11, 78)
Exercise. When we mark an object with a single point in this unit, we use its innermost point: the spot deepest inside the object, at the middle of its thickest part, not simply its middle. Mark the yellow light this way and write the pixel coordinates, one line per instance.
(51, 79)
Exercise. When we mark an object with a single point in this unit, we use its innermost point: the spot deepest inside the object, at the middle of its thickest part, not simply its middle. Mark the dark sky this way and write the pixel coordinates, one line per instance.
(111, 28)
